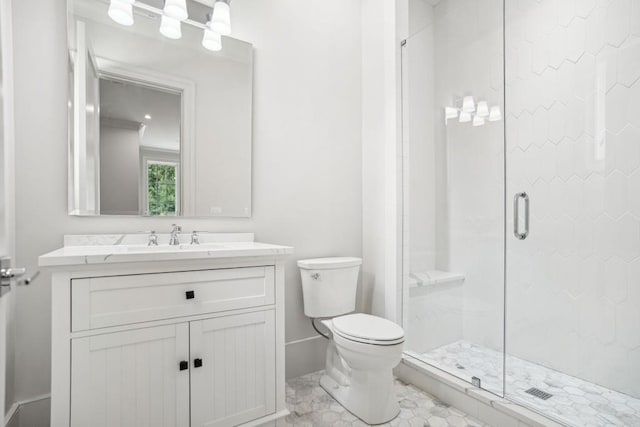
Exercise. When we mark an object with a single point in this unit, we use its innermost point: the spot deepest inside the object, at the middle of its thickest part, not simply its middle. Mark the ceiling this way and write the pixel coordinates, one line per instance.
(130, 102)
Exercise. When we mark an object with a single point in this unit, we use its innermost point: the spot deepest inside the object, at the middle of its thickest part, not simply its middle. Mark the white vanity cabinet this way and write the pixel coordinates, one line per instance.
(175, 343)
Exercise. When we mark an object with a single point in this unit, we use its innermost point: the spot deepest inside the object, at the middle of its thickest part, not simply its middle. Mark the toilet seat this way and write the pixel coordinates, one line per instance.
(368, 329)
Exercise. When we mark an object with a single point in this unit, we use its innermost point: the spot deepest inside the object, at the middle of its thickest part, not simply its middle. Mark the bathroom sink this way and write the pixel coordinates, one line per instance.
(83, 250)
(171, 248)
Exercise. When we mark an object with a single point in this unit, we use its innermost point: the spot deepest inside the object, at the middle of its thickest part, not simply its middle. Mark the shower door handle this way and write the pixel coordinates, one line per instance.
(516, 215)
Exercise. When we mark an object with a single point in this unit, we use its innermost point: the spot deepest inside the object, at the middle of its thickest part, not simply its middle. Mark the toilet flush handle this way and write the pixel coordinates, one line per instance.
(315, 276)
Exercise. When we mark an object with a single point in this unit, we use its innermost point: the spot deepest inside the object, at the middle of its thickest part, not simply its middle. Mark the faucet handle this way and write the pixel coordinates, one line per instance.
(153, 238)
(176, 228)
(195, 239)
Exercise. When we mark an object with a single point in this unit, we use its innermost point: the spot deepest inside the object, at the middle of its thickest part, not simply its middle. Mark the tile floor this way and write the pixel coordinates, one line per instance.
(574, 401)
(310, 405)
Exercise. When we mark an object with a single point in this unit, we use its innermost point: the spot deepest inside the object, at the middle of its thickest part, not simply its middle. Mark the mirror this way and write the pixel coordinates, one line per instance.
(157, 126)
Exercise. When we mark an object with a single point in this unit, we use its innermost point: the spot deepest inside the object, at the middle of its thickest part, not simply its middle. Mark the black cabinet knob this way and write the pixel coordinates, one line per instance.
(197, 363)
(184, 365)
(190, 294)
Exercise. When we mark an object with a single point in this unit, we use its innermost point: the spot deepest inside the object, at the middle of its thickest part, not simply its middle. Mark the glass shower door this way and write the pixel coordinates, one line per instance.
(453, 189)
(573, 146)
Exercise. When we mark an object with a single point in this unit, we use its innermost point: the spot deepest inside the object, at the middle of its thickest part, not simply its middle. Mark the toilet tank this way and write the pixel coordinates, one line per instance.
(329, 285)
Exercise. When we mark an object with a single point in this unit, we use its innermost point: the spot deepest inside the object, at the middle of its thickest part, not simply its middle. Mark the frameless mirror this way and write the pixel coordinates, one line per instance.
(157, 126)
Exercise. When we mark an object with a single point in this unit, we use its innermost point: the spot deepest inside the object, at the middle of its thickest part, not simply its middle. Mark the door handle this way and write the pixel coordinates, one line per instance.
(8, 274)
(516, 215)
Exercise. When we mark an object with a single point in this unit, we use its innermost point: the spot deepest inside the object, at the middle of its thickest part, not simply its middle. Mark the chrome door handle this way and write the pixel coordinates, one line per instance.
(516, 215)
(8, 274)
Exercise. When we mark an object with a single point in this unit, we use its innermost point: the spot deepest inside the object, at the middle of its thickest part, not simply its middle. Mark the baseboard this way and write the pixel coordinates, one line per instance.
(478, 403)
(305, 356)
(33, 412)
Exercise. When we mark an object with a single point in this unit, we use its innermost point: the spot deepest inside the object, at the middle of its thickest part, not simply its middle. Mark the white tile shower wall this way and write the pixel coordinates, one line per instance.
(573, 135)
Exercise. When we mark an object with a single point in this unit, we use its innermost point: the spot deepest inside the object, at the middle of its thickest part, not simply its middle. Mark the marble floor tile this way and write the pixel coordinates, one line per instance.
(310, 405)
(574, 401)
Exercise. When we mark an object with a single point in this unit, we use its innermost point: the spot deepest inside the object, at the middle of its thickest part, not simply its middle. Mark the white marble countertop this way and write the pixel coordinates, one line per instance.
(111, 249)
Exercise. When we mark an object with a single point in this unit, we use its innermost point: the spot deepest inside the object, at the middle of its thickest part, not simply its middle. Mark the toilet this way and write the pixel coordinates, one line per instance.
(362, 350)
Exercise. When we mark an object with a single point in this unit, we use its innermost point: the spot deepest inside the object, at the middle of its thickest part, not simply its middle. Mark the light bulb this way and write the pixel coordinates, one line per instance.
(211, 40)
(464, 117)
(221, 22)
(170, 27)
(121, 11)
(450, 113)
(468, 105)
(483, 109)
(494, 114)
(477, 120)
(176, 9)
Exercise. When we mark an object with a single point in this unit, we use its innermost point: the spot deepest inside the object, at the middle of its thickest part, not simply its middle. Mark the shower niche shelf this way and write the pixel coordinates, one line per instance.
(434, 277)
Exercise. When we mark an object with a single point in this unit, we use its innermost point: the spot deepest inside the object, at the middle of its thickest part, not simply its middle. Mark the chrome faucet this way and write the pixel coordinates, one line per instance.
(175, 238)
(153, 239)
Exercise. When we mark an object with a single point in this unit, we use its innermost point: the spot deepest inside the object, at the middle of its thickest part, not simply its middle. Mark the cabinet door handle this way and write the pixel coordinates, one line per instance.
(190, 294)
(184, 365)
(197, 363)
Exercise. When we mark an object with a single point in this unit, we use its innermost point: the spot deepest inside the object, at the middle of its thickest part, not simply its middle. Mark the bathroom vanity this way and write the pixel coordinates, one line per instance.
(167, 335)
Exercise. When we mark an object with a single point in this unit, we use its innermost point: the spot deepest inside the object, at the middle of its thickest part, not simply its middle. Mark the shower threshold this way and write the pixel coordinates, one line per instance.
(573, 401)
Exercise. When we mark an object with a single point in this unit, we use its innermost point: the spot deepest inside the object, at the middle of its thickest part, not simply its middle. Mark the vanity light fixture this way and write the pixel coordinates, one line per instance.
(147, 116)
(477, 120)
(173, 15)
(221, 21)
(170, 27)
(464, 117)
(211, 40)
(468, 104)
(482, 109)
(176, 9)
(494, 114)
(121, 11)
(450, 113)
(477, 114)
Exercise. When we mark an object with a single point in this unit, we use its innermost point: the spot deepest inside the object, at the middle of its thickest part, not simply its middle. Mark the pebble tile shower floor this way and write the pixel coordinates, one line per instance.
(310, 405)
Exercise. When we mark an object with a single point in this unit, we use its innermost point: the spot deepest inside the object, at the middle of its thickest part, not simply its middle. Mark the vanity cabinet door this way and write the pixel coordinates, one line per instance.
(131, 378)
(233, 369)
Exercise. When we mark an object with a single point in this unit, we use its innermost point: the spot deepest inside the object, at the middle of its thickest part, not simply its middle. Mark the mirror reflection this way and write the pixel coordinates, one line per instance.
(159, 125)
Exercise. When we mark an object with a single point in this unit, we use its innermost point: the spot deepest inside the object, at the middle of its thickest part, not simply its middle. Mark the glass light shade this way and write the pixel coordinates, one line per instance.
(176, 9)
(483, 109)
(212, 40)
(170, 27)
(121, 11)
(450, 112)
(478, 121)
(465, 117)
(468, 105)
(221, 21)
(494, 114)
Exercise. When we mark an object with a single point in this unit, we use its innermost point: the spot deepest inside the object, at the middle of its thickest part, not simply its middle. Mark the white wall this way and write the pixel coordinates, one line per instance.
(573, 144)
(307, 168)
(119, 167)
(381, 157)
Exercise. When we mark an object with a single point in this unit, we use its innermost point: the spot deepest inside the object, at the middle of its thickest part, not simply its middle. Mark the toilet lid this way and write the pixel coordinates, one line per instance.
(368, 328)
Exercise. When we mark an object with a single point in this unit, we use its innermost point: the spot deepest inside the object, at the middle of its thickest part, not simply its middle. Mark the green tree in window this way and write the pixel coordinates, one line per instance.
(161, 180)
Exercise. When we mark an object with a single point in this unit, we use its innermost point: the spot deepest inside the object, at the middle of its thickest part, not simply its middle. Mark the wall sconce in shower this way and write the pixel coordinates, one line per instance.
(470, 111)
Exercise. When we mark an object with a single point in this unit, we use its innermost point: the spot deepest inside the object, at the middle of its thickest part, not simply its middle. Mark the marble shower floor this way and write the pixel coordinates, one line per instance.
(574, 401)
(310, 405)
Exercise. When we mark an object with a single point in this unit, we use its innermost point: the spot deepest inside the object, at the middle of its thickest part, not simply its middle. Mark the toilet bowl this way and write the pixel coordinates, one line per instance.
(362, 349)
